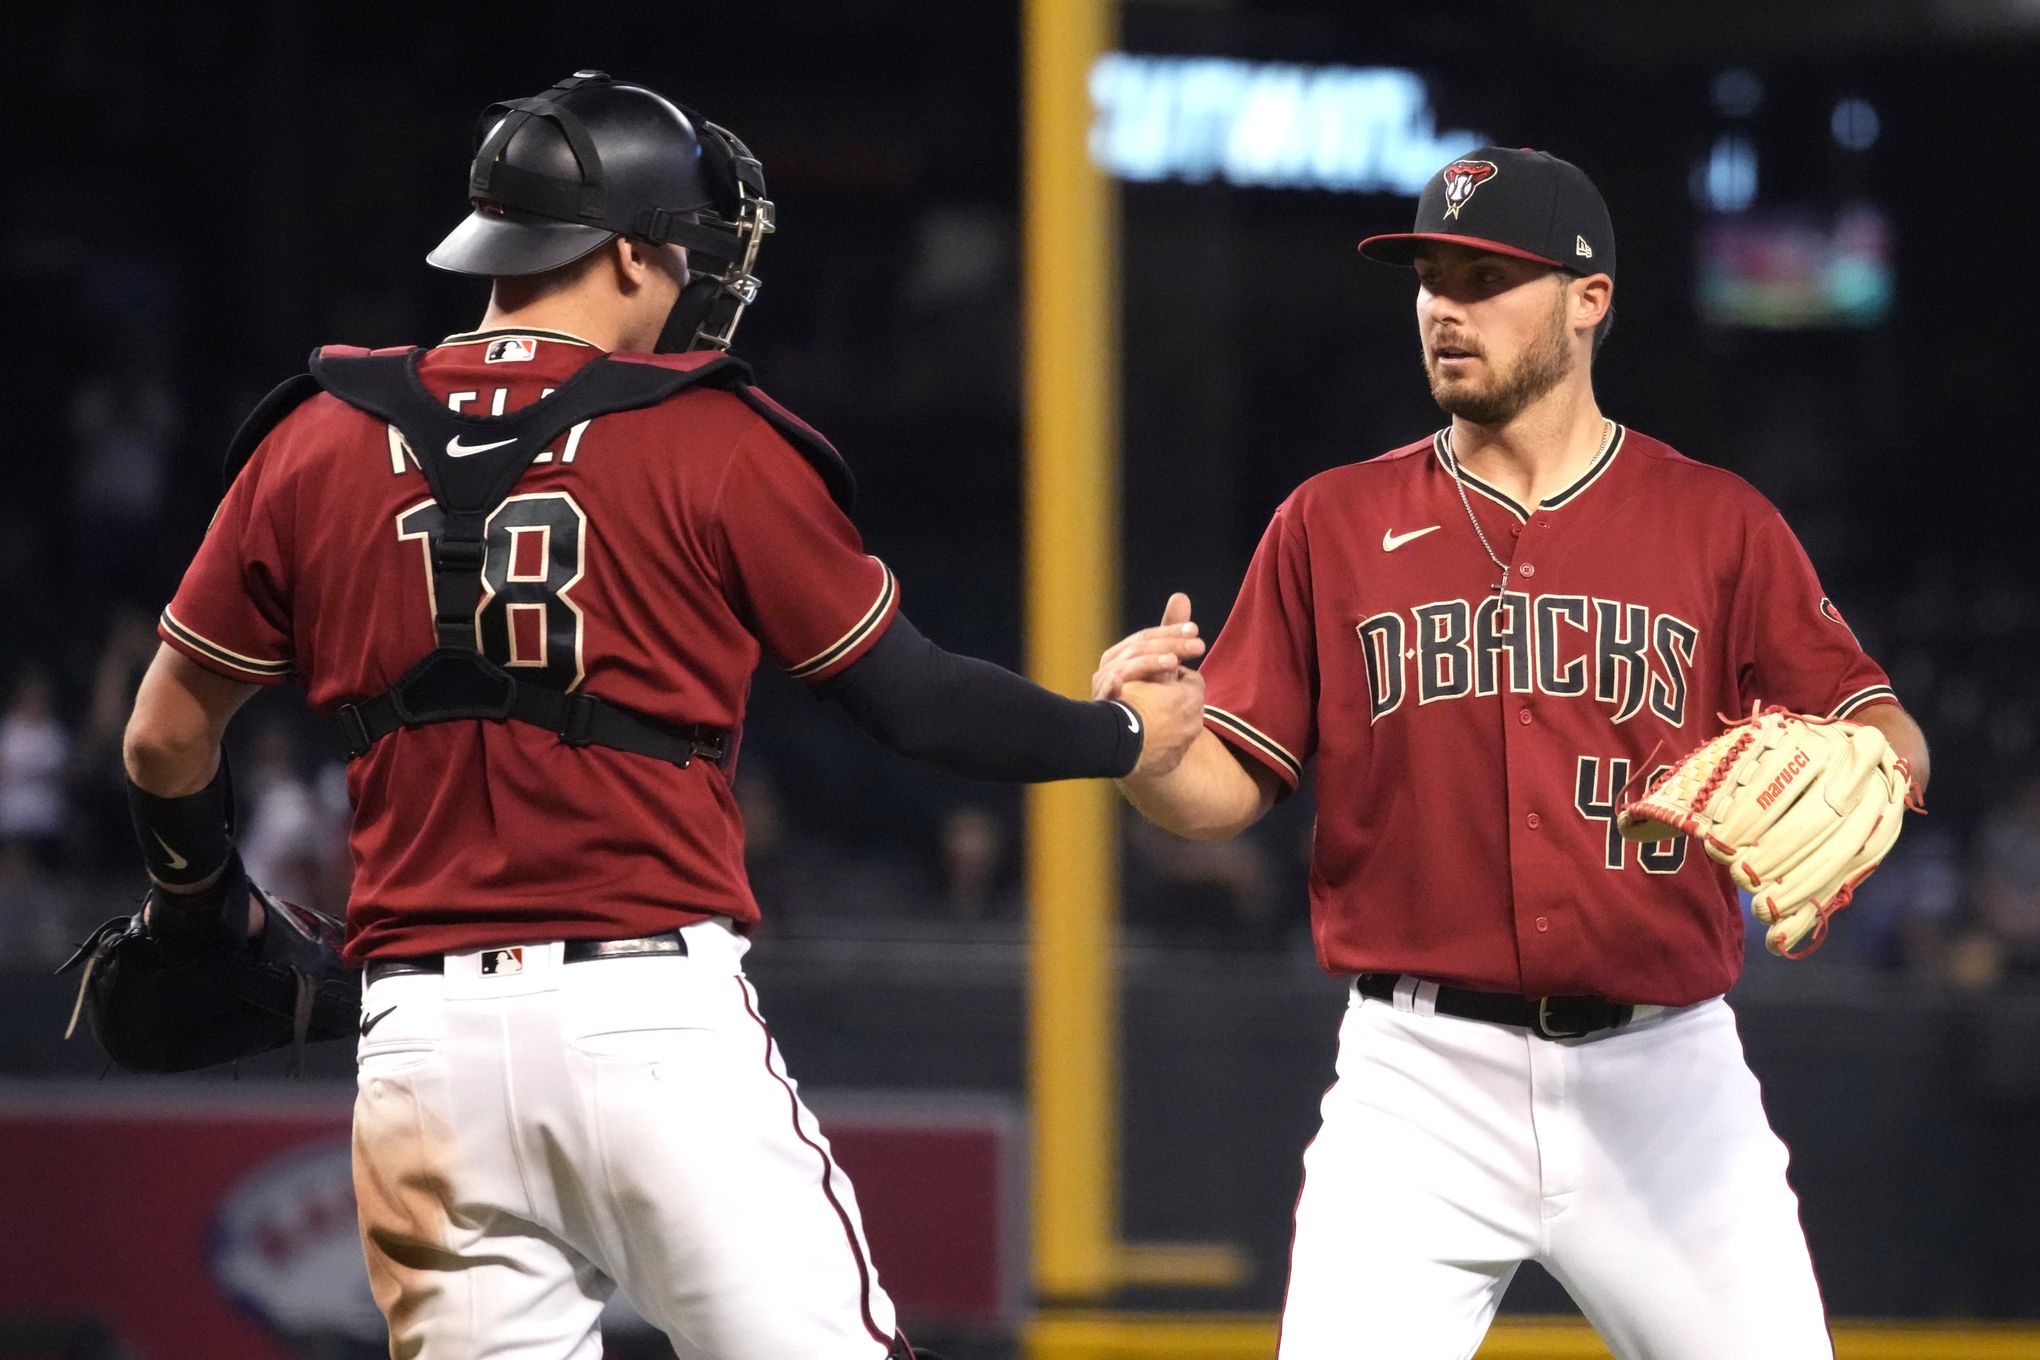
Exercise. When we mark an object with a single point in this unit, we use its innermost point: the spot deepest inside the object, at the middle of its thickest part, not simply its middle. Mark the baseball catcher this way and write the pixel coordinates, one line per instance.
(529, 572)
(1799, 809)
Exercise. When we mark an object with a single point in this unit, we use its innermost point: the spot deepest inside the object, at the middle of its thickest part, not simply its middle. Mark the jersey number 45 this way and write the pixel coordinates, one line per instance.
(1597, 793)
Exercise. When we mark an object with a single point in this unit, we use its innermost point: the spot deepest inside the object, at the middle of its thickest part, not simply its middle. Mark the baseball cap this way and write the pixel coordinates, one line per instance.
(1525, 203)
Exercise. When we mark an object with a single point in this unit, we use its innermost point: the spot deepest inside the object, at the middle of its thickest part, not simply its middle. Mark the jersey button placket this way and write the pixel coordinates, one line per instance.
(1533, 821)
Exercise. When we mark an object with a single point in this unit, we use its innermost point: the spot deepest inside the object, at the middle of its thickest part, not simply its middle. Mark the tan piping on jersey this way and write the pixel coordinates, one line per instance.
(1606, 461)
(1862, 697)
(1441, 441)
(1471, 482)
(842, 646)
(226, 656)
(1256, 738)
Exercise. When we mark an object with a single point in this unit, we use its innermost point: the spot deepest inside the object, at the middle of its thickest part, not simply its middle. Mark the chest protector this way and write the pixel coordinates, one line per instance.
(472, 463)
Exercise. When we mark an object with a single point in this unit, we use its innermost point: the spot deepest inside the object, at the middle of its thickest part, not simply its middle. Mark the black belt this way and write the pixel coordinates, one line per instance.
(1550, 1017)
(575, 951)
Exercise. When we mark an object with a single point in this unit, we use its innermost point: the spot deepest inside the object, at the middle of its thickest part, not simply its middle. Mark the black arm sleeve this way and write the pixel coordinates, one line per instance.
(185, 840)
(973, 718)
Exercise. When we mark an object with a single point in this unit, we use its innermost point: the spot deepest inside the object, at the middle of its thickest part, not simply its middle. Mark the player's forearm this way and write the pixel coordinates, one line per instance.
(1903, 733)
(1209, 796)
(979, 720)
(177, 790)
(169, 764)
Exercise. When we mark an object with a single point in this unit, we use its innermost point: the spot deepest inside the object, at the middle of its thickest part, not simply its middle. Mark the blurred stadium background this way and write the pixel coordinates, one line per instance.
(1827, 218)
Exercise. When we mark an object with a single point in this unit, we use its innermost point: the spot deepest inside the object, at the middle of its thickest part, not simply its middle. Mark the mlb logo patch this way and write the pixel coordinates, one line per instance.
(510, 351)
(502, 962)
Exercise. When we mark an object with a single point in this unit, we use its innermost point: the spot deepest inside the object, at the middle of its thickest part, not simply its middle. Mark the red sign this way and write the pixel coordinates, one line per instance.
(197, 1221)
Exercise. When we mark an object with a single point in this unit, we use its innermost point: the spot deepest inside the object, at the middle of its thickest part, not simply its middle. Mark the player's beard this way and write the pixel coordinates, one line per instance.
(1546, 363)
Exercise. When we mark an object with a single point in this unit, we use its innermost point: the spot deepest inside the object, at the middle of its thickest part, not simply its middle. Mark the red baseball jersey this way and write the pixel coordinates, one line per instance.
(1472, 746)
(650, 557)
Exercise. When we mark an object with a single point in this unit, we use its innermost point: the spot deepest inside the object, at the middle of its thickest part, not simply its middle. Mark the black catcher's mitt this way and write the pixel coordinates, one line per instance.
(158, 1003)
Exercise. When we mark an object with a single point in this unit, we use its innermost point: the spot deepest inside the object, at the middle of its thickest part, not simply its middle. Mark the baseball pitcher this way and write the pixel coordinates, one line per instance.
(1498, 645)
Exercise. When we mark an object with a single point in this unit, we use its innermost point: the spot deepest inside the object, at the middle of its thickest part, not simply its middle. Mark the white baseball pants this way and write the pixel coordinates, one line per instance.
(526, 1141)
(1636, 1166)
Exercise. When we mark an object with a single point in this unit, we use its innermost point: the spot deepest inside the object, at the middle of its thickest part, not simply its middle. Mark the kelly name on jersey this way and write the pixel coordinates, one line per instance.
(1621, 655)
(403, 461)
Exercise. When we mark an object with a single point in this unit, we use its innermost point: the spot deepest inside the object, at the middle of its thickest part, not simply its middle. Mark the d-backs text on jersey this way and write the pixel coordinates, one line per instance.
(1623, 656)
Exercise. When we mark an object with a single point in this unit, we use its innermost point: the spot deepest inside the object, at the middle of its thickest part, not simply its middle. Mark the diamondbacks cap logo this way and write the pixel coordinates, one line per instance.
(1461, 179)
(510, 351)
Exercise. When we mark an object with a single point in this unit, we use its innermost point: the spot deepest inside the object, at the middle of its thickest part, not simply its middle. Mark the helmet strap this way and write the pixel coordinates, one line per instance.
(493, 178)
(712, 304)
(689, 316)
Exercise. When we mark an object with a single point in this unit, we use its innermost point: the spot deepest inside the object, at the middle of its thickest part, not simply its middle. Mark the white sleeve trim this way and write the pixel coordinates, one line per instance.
(225, 656)
(888, 590)
(1862, 697)
(1257, 739)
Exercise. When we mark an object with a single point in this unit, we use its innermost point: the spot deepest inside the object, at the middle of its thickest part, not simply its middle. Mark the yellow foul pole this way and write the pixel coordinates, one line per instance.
(1072, 546)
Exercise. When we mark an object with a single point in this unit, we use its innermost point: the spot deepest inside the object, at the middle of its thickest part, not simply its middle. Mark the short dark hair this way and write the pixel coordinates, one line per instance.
(530, 287)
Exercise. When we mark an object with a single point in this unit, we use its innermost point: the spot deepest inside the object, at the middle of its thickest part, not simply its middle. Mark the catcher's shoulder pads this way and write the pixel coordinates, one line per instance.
(385, 383)
(471, 464)
(284, 398)
(809, 442)
(157, 1008)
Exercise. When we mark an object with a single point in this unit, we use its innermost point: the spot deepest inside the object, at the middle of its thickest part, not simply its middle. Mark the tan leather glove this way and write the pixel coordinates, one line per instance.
(1800, 810)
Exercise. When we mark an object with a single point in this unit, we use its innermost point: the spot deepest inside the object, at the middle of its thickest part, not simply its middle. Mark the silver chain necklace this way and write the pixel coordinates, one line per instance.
(1459, 484)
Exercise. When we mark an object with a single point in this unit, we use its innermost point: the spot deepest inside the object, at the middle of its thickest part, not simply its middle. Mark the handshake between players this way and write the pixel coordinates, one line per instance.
(1148, 671)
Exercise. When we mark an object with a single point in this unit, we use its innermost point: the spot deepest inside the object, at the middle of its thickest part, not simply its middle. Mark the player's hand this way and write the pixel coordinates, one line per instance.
(1171, 715)
(1150, 654)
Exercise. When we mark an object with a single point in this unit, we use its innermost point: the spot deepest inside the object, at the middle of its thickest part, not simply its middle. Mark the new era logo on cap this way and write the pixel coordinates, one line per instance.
(1582, 249)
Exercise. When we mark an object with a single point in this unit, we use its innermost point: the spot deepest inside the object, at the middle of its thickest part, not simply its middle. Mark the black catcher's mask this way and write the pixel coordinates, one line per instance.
(564, 173)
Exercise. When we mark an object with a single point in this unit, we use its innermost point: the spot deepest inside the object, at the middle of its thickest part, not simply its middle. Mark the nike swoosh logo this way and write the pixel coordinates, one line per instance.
(1132, 718)
(456, 449)
(177, 861)
(1390, 540)
(372, 1021)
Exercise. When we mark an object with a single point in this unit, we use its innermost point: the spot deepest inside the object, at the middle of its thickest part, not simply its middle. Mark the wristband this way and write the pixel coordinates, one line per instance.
(187, 839)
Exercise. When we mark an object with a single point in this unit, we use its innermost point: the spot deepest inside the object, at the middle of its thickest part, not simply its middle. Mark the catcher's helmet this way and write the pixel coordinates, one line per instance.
(562, 174)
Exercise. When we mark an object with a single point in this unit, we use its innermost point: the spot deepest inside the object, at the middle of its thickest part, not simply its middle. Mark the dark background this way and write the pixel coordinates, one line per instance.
(197, 195)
